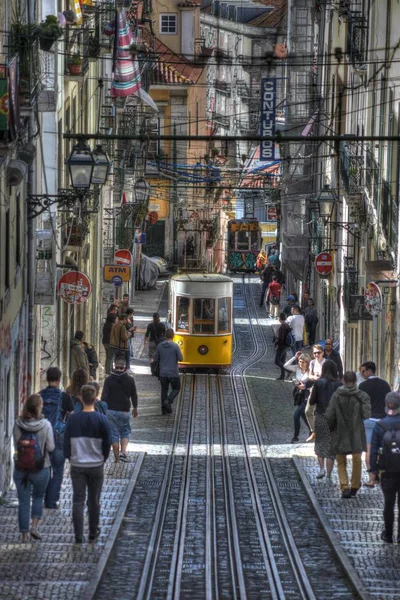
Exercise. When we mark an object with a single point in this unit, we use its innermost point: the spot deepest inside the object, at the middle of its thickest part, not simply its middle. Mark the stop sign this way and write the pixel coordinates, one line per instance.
(123, 257)
(324, 263)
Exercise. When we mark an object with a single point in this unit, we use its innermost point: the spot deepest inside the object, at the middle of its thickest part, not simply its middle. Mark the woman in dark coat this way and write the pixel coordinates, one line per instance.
(111, 319)
(321, 394)
(311, 321)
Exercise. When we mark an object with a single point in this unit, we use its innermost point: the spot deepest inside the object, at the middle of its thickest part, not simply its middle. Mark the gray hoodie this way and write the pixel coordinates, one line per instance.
(168, 354)
(42, 427)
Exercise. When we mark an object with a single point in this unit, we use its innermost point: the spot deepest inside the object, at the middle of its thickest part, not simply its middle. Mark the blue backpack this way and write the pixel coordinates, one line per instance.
(28, 454)
(290, 340)
(52, 408)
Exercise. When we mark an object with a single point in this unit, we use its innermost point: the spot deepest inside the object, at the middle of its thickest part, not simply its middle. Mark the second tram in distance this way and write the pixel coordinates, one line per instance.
(200, 313)
(244, 244)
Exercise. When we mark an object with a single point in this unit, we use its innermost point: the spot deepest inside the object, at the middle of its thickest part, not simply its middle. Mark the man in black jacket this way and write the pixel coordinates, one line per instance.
(266, 278)
(119, 392)
(376, 388)
(331, 354)
(281, 346)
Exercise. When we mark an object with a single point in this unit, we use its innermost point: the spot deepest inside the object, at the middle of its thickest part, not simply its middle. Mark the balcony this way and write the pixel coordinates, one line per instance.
(25, 44)
(222, 120)
(352, 167)
(76, 58)
(247, 127)
(357, 41)
(223, 87)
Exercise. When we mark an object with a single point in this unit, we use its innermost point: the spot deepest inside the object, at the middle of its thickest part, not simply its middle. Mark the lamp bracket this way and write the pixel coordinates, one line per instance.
(66, 198)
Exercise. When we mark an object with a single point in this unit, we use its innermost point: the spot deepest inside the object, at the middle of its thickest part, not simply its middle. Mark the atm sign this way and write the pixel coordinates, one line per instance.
(111, 271)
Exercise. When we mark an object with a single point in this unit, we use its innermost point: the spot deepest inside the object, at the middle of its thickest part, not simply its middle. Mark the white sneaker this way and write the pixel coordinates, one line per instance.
(321, 474)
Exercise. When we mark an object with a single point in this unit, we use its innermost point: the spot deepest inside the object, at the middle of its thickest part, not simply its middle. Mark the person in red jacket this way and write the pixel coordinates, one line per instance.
(274, 296)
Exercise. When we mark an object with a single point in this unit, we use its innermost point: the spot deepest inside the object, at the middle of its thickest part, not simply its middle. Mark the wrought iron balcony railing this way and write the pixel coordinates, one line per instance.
(352, 166)
(357, 40)
(76, 59)
(223, 87)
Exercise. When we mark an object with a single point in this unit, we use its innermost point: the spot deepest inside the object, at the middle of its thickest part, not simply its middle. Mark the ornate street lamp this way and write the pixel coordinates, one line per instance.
(81, 164)
(325, 201)
(102, 166)
(141, 190)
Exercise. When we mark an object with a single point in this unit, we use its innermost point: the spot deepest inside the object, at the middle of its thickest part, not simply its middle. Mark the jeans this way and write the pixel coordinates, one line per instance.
(390, 484)
(92, 479)
(263, 291)
(57, 472)
(296, 347)
(300, 413)
(310, 413)
(355, 473)
(175, 385)
(280, 358)
(36, 484)
(109, 358)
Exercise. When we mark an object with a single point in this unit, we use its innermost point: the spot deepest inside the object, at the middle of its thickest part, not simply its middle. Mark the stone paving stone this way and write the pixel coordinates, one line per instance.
(56, 568)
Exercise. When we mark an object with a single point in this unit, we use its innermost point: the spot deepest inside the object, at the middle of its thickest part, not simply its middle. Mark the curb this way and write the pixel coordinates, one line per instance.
(91, 588)
(347, 567)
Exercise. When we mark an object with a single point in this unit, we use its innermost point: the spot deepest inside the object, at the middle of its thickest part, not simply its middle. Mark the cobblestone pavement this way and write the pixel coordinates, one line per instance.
(56, 568)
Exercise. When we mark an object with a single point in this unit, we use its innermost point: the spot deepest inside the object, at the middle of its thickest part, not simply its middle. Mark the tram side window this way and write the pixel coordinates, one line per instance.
(182, 314)
(232, 239)
(243, 240)
(203, 317)
(255, 244)
(224, 314)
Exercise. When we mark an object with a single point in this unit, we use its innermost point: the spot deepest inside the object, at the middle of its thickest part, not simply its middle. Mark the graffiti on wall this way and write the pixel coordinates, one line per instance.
(47, 344)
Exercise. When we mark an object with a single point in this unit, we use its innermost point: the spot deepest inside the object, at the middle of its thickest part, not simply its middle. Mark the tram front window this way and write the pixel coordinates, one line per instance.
(224, 309)
(204, 315)
(243, 240)
(182, 314)
(255, 244)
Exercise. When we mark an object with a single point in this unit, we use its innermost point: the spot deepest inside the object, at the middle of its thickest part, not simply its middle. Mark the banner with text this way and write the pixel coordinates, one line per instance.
(268, 114)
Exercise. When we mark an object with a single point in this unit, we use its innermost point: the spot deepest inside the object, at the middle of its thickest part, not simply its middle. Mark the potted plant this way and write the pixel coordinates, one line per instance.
(74, 63)
(49, 32)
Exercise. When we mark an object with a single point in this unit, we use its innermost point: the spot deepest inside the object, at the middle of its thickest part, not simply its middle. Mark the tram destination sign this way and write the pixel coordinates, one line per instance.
(268, 115)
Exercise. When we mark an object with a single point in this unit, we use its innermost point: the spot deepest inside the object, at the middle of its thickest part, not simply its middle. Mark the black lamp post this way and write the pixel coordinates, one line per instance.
(326, 200)
(81, 163)
(141, 190)
(102, 166)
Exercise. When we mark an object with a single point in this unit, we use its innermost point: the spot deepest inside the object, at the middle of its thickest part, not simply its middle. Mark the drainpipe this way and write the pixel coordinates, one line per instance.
(30, 277)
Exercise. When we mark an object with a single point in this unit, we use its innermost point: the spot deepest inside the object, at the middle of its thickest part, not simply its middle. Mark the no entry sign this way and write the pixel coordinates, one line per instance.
(324, 263)
(74, 287)
(123, 257)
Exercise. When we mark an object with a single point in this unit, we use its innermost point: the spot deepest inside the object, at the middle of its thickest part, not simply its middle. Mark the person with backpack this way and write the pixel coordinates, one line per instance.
(33, 442)
(385, 459)
(92, 359)
(155, 333)
(78, 356)
(345, 415)
(273, 296)
(57, 405)
(99, 405)
(87, 444)
(282, 345)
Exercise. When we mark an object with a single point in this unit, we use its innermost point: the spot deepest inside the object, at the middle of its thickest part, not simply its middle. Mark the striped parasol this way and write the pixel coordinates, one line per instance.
(126, 70)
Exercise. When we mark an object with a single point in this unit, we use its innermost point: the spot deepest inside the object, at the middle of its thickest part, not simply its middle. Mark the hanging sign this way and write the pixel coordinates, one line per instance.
(111, 272)
(74, 287)
(123, 257)
(153, 217)
(324, 264)
(268, 115)
(272, 215)
(373, 299)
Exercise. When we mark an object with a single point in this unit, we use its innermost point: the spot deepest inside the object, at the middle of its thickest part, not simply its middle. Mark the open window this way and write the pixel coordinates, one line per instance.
(204, 315)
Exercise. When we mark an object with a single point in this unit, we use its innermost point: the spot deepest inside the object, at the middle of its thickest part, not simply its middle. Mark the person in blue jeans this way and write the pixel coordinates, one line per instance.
(57, 405)
(32, 485)
(168, 355)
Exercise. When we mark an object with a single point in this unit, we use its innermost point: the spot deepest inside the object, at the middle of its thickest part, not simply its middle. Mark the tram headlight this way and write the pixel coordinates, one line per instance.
(203, 349)
(180, 343)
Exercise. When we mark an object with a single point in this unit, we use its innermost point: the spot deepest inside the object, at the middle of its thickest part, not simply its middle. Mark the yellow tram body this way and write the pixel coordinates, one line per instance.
(200, 313)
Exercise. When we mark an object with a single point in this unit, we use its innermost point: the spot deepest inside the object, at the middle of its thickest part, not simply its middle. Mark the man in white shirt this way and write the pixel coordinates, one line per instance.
(296, 323)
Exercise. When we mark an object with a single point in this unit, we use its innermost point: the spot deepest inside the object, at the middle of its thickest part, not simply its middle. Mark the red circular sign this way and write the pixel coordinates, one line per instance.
(74, 287)
(123, 257)
(324, 263)
(153, 217)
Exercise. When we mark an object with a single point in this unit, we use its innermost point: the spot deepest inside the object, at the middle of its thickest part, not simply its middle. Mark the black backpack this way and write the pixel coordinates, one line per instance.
(389, 453)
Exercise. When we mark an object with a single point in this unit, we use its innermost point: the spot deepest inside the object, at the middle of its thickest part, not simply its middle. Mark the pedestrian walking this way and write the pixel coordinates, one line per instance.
(124, 304)
(168, 355)
(296, 323)
(78, 358)
(87, 446)
(33, 443)
(332, 354)
(282, 345)
(99, 405)
(119, 392)
(57, 406)
(377, 389)
(320, 396)
(345, 415)
(266, 277)
(385, 459)
(119, 339)
(311, 321)
(155, 333)
(110, 320)
(92, 359)
(79, 378)
(314, 374)
(112, 310)
(131, 328)
(288, 308)
(273, 296)
(301, 391)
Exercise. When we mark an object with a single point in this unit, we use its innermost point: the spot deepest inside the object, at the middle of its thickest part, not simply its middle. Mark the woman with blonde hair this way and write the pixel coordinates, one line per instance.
(33, 442)
(301, 390)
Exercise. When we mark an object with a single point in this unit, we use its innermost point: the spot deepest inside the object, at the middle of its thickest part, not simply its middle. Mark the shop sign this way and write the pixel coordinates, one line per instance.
(373, 299)
(271, 213)
(324, 264)
(74, 287)
(123, 257)
(112, 271)
(268, 116)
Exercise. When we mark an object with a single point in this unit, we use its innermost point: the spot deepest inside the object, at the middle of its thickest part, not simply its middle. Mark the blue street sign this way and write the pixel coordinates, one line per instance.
(117, 280)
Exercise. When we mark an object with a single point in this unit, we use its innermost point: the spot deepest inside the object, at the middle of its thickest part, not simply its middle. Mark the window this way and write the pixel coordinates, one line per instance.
(182, 314)
(204, 315)
(169, 24)
(224, 315)
(7, 274)
(243, 240)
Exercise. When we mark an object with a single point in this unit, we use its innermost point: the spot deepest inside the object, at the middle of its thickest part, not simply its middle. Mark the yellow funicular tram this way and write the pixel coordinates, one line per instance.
(200, 312)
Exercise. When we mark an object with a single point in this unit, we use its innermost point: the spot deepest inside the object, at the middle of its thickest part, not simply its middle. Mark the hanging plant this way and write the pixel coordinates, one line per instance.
(49, 32)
